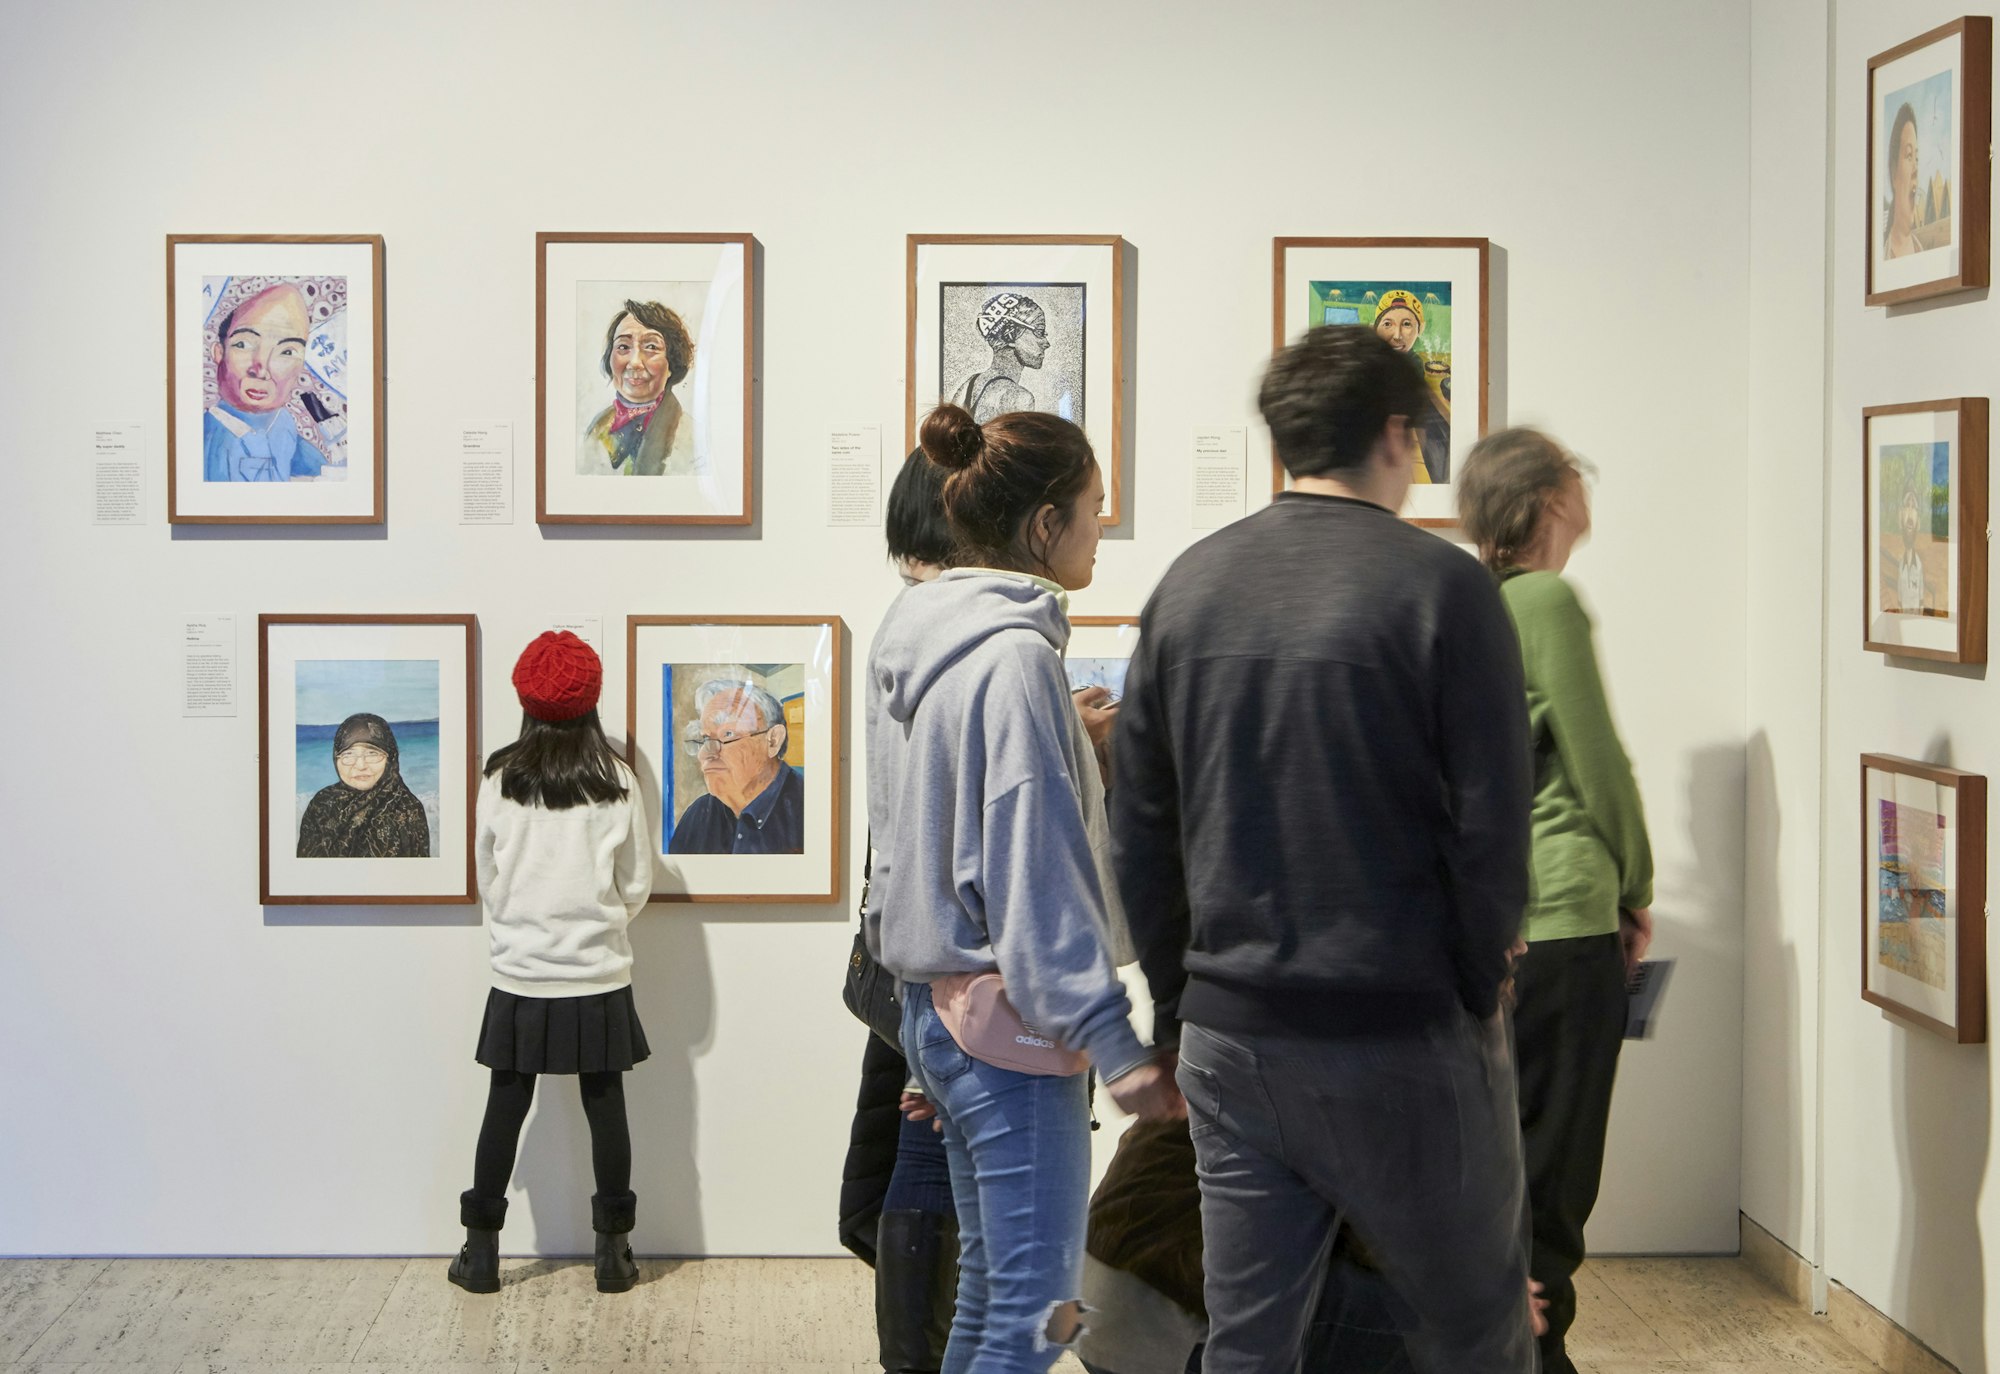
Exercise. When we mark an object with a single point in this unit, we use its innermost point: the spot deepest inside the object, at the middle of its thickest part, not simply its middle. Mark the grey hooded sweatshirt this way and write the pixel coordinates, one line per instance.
(976, 768)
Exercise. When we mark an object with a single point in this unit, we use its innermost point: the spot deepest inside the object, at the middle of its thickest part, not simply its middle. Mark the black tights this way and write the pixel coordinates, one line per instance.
(507, 1104)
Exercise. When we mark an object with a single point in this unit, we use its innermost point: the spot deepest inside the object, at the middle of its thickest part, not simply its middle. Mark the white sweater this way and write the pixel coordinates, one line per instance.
(559, 888)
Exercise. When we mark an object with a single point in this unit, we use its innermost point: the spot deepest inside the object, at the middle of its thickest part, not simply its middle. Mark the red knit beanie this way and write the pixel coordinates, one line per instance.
(558, 677)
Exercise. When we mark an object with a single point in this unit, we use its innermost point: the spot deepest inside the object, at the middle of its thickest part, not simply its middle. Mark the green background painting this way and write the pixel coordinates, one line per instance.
(1353, 302)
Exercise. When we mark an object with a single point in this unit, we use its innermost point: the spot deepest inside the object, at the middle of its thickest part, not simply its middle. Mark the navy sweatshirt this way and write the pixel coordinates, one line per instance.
(1320, 818)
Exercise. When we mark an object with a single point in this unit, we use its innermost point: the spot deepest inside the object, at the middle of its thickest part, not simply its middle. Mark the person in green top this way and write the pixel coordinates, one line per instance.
(1522, 499)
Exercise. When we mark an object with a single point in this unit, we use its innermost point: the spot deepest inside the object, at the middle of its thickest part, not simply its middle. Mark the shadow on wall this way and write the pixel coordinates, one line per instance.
(1943, 1102)
(675, 991)
(1772, 1010)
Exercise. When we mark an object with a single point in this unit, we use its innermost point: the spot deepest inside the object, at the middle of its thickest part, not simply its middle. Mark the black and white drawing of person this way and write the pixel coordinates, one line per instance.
(1016, 328)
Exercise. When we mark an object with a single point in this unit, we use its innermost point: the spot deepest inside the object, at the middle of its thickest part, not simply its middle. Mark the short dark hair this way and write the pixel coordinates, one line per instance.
(999, 474)
(1329, 397)
(656, 317)
(914, 521)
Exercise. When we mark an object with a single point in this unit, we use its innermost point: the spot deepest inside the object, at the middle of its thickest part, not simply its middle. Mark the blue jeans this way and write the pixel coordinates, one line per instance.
(1019, 1146)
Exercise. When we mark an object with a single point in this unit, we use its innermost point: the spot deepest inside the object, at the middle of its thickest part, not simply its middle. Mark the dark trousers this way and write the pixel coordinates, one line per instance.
(1569, 1022)
(1414, 1140)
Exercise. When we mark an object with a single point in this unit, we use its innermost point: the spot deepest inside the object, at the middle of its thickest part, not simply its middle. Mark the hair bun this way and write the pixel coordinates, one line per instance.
(951, 438)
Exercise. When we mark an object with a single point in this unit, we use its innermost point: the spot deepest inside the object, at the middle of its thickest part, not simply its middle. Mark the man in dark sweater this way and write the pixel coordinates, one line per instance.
(1321, 830)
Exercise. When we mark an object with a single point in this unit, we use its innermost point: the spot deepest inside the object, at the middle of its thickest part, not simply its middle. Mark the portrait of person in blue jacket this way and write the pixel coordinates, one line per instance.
(753, 800)
(259, 355)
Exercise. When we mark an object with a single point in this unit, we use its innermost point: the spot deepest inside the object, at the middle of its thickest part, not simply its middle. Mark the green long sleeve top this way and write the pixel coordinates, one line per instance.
(1590, 852)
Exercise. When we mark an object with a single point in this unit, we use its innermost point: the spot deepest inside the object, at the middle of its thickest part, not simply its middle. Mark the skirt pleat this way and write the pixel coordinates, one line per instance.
(595, 1034)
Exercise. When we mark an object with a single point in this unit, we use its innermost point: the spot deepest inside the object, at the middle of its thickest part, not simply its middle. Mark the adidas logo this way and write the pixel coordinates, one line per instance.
(1036, 1041)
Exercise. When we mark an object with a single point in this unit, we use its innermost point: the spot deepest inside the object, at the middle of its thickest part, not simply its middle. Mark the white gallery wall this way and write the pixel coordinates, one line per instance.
(1908, 1214)
(187, 1072)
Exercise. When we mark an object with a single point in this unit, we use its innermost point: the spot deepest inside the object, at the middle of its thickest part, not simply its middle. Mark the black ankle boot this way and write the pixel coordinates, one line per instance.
(916, 1283)
(477, 1268)
(611, 1217)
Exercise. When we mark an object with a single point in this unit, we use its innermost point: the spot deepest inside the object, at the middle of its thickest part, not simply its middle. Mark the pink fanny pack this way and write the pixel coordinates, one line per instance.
(975, 1009)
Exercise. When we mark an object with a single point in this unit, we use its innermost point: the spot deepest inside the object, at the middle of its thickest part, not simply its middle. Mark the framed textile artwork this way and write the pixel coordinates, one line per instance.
(1923, 895)
(274, 379)
(999, 323)
(1930, 132)
(733, 726)
(369, 760)
(1924, 505)
(1428, 298)
(643, 354)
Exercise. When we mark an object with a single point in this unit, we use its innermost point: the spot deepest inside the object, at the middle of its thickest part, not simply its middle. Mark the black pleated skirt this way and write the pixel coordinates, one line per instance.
(595, 1034)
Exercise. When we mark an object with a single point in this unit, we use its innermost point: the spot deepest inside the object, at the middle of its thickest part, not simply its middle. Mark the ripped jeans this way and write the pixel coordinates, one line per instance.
(1019, 1147)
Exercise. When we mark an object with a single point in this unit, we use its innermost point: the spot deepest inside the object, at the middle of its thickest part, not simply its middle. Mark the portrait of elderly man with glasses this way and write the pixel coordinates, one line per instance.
(755, 801)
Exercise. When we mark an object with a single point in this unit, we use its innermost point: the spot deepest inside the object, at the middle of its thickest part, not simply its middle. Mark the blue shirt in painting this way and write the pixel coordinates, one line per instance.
(773, 823)
(268, 450)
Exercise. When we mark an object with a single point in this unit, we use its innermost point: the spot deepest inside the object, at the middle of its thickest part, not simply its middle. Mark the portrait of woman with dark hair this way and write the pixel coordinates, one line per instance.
(370, 812)
(647, 351)
(1899, 235)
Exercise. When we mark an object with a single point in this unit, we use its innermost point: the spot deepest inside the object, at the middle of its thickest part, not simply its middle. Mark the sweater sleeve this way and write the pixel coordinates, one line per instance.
(483, 840)
(1561, 656)
(1038, 875)
(1146, 840)
(634, 859)
(1482, 715)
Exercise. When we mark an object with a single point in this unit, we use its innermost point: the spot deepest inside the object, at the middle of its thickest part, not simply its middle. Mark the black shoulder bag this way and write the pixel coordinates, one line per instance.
(870, 990)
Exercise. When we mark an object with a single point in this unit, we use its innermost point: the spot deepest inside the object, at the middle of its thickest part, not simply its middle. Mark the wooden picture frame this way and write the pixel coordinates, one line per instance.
(1442, 277)
(670, 662)
(385, 657)
(947, 333)
(1943, 240)
(1923, 895)
(700, 468)
(273, 442)
(1906, 449)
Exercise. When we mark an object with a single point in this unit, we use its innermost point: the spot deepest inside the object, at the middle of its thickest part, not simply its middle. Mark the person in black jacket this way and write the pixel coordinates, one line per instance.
(895, 1197)
(1320, 822)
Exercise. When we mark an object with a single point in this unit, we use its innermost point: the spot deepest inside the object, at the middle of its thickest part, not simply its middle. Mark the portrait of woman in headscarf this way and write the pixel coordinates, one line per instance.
(370, 813)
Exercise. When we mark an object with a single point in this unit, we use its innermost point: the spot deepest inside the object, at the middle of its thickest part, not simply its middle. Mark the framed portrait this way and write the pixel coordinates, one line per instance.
(1428, 298)
(1100, 649)
(1923, 895)
(369, 762)
(733, 726)
(1000, 323)
(643, 353)
(1930, 130)
(274, 379)
(1924, 529)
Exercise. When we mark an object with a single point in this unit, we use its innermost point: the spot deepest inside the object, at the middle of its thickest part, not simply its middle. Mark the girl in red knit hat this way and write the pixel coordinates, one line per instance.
(565, 863)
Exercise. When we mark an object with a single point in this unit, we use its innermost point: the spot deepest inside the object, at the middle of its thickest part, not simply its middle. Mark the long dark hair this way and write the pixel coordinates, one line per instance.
(558, 764)
(1002, 472)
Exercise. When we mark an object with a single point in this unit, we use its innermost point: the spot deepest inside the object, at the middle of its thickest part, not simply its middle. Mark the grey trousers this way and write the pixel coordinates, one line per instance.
(1415, 1141)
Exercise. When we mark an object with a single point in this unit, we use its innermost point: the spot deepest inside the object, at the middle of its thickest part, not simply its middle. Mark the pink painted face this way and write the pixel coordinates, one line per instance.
(257, 366)
(639, 364)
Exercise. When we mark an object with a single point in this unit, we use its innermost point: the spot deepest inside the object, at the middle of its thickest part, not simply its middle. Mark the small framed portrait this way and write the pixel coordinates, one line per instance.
(1428, 298)
(1924, 513)
(369, 762)
(274, 379)
(1923, 895)
(643, 351)
(733, 726)
(1930, 122)
(1000, 323)
(1100, 649)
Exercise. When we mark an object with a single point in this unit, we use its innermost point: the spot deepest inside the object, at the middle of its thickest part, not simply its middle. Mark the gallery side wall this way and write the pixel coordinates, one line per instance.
(190, 1073)
(1781, 909)
(1912, 1211)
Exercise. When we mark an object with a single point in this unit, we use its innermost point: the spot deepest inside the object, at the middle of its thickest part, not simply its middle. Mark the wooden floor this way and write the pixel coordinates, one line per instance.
(800, 1316)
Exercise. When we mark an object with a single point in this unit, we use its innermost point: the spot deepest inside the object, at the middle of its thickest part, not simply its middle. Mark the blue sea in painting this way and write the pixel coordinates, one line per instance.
(417, 760)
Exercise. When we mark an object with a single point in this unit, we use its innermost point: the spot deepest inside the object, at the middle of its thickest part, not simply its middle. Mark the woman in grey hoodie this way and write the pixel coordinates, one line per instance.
(977, 769)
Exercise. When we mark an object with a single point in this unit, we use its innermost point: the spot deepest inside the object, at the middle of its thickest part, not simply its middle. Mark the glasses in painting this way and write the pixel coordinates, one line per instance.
(698, 744)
